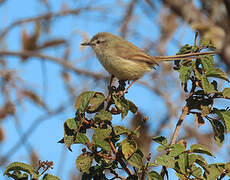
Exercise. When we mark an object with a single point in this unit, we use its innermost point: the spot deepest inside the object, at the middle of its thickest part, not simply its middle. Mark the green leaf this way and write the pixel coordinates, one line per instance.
(218, 129)
(207, 62)
(165, 160)
(185, 49)
(70, 130)
(153, 175)
(18, 166)
(227, 167)
(103, 116)
(118, 130)
(180, 176)
(69, 140)
(124, 105)
(100, 136)
(132, 107)
(198, 148)
(198, 74)
(50, 177)
(96, 102)
(18, 175)
(226, 93)
(205, 110)
(160, 140)
(176, 150)
(185, 73)
(217, 73)
(196, 171)
(183, 162)
(81, 138)
(84, 162)
(136, 160)
(212, 172)
(71, 124)
(207, 87)
(128, 147)
(83, 101)
(224, 115)
(196, 158)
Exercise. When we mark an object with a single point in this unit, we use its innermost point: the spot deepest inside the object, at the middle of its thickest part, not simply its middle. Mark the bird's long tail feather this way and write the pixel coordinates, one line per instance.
(183, 56)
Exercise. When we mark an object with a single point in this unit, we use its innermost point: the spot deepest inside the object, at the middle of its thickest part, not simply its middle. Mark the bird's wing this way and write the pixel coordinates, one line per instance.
(131, 52)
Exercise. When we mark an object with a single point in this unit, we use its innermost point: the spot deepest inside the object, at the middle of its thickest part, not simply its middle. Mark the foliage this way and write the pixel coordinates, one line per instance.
(22, 171)
(110, 148)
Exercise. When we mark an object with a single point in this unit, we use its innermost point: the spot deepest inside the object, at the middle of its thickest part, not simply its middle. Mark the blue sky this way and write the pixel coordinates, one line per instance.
(45, 136)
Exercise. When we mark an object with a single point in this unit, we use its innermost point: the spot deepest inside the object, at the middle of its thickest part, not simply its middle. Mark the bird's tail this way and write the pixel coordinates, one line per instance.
(182, 56)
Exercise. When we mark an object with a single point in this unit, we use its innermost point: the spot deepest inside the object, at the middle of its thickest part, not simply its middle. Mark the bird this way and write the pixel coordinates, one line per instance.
(125, 60)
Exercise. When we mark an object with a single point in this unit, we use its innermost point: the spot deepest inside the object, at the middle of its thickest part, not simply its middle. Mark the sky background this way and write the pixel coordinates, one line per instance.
(46, 135)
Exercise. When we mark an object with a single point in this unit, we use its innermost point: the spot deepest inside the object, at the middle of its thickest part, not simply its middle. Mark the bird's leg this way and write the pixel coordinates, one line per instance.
(126, 90)
(121, 93)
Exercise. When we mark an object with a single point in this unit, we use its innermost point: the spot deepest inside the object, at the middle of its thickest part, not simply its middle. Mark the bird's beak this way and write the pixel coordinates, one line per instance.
(86, 44)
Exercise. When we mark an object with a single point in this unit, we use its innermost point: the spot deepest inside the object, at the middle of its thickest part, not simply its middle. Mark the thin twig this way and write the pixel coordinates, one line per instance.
(60, 61)
(185, 111)
(119, 159)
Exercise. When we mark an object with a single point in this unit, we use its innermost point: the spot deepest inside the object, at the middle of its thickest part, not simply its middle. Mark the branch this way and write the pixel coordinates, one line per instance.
(60, 61)
(185, 112)
(42, 17)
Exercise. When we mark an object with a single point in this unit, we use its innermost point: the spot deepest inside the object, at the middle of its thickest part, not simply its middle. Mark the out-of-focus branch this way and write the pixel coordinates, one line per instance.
(127, 18)
(60, 61)
(48, 15)
(30, 130)
(193, 16)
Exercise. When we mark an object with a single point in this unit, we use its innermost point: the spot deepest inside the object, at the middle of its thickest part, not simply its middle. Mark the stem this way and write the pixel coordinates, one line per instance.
(119, 159)
(185, 112)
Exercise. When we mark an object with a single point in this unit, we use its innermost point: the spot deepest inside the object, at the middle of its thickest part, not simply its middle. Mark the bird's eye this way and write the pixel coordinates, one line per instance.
(98, 41)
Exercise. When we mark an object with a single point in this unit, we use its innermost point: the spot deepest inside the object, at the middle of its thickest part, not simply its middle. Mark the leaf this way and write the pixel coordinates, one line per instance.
(199, 119)
(165, 160)
(69, 140)
(217, 73)
(218, 129)
(70, 130)
(197, 74)
(176, 150)
(153, 175)
(160, 140)
(207, 62)
(50, 177)
(99, 137)
(183, 162)
(207, 87)
(132, 107)
(212, 172)
(196, 171)
(185, 73)
(71, 124)
(196, 158)
(180, 176)
(124, 106)
(96, 102)
(103, 116)
(18, 166)
(224, 115)
(128, 147)
(136, 160)
(83, 101)
(226, 93)
(118, 130)
(205, 110)
(198, 148)
(84, 162)
(81, 138)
